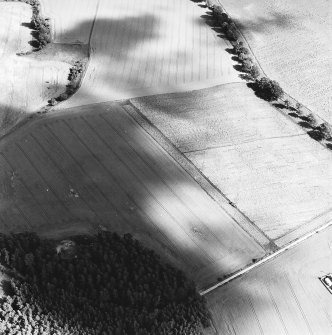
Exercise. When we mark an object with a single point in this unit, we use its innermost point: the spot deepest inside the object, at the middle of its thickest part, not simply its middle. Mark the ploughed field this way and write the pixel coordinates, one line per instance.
(141, 47)
(71, 172)
(26, 83)
(263, 163)
(283, 296)
(291, 40)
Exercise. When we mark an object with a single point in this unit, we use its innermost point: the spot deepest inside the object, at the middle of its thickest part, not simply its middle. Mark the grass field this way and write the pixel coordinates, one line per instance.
(265, 164)
(291, 41)
(283, 296)
(25, 83)
(67, 174)
(142, 47)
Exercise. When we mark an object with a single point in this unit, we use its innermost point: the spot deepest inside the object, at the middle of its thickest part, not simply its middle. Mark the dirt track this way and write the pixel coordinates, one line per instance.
(284, 296)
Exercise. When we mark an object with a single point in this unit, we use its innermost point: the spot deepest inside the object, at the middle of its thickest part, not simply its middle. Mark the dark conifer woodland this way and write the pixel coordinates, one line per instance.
(105, 284)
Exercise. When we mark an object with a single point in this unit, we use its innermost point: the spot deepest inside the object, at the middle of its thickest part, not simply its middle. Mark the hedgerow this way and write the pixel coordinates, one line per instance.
(74, 78)
(105, 284)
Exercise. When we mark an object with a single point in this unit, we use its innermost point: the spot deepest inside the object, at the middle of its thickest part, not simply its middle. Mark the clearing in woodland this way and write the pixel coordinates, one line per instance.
(94, 165)
(283, 296)
(265, 164)
(291, 40)
(142, 47)
(26, 83)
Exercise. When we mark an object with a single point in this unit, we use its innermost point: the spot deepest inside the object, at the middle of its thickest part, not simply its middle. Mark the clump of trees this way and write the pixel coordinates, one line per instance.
(269, 89)
(109, 285)
(74, 78)
(40, 24)
(43, 29)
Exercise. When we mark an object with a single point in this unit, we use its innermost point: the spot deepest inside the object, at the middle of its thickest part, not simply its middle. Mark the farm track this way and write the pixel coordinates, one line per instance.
(283, 296)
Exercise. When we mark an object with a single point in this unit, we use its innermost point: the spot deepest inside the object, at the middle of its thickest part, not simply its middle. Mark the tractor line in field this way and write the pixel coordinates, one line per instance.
(265, 259)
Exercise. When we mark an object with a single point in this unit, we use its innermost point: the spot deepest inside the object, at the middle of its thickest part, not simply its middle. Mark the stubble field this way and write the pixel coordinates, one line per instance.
(97, 166)
(264, 164)
(26, 84)
(291, 40)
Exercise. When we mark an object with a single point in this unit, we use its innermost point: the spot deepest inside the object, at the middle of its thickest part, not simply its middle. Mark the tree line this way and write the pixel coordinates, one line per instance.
(267, 88)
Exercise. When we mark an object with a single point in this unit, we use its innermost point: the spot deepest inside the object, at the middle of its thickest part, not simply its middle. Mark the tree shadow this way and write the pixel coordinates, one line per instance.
(231, 51)
(316, 135)
(34, 43)
(238, 67)
(280, 106)
(26, 24)
(305, 124)
(209, 20)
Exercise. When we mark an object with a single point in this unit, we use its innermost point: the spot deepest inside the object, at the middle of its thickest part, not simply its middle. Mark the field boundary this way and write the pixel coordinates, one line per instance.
(287, 96)
(265, 259)
(212, 190)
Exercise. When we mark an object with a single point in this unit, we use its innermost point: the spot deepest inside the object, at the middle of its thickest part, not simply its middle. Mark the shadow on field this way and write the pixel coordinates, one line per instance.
(26, 24)
(108, 50)
(76, 177)
(103, 174)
